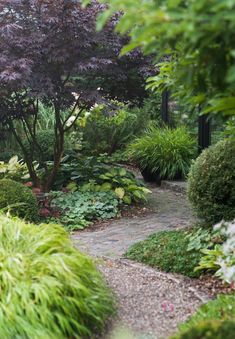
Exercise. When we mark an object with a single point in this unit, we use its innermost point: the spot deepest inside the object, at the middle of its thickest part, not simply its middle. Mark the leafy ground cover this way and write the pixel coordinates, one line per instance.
(222, 308)
(168, 251)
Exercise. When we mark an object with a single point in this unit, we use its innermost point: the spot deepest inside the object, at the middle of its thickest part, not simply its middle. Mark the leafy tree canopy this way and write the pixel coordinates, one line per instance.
(198, 38)
(50, 51)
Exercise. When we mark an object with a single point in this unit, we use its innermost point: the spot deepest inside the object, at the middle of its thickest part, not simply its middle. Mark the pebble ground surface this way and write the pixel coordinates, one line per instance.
(151, 304)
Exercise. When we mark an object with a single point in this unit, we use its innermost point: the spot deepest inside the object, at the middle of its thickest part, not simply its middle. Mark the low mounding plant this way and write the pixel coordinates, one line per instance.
(220, 309)
(168, 251)
(78, 209)
(14, 169)
(48, 288)
(210, 330)
(211, 184)
(164, 152)
(109, 128)
(18, 199)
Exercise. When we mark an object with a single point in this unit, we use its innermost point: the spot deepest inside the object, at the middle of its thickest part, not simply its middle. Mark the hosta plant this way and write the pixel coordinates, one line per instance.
(164, 152)
(48, 288)
(14, 169)
(122, 182)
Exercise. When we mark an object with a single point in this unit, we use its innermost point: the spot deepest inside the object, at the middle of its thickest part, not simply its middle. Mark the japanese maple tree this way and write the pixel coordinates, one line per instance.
(50, 51)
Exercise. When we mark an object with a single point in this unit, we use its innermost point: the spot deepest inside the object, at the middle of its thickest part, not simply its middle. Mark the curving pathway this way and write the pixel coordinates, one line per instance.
(151, 304)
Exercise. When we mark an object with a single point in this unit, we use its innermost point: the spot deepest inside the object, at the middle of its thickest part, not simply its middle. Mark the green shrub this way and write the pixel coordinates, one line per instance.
(48, 288)
(109, 129)
(80, 208)
(164, 151)
(222, 308)
(210, 330)
(14, 169)
(168, 251)
(19, 199)
(46, 140)
(211, 184)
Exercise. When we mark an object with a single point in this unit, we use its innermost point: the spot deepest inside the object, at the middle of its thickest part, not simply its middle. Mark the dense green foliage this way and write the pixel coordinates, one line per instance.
(210, 330)
(80, 208)
(108, 128)
(211, 184)
(120, 181)
(222, 308)
(18, 199)
(200, 66)
(168, 251)
(93, 174)
(43, 148)
(48, 289)
(14, 169)
(167, 152)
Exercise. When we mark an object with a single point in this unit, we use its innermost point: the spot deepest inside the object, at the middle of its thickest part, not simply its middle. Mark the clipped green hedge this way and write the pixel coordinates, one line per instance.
(211, 183)
(210, 330)
(48, 288)
(19, 199)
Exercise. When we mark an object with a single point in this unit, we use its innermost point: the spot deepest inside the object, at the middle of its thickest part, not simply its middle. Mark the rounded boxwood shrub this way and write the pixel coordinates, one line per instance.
(211, 183)
(210, 330)
(163, 153)
(48, 288)
(19, 199)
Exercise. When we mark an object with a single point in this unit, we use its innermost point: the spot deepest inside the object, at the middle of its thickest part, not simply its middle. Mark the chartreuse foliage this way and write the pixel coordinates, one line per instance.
(18, 200)
(48, 288)
(166, 151)
(211, 184)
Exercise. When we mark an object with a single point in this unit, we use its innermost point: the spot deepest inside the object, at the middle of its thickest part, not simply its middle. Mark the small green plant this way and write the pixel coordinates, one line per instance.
(210, 259)
(14, 169)
(48, 288)
(163, 151)
(109, 128)
(79, 209)
(122, 182)
(213, 329)
(18, 200)
(211, 183)
(222, 308)
(167, 250)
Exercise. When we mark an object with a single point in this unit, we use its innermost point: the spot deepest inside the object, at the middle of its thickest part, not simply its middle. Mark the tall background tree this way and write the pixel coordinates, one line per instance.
(51, 52)
(197, 36)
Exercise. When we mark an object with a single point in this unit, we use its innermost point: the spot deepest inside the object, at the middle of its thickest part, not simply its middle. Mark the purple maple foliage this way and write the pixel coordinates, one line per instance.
(50, 49)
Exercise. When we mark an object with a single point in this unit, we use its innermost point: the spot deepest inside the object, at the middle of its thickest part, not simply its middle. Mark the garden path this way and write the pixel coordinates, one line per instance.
(150, 303)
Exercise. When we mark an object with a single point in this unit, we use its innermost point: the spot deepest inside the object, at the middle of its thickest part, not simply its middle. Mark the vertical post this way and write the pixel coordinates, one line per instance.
(204, 132)
(165, 107)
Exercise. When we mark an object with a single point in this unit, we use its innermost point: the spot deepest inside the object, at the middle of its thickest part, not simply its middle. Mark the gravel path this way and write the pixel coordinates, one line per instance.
(151, 304)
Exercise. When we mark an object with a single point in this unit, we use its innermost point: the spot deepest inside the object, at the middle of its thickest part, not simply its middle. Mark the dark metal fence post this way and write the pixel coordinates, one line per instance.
(204, 132)
(165, 107)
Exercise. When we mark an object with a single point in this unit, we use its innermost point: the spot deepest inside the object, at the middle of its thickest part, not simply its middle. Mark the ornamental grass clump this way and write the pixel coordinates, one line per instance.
(165, 152)
(48, 288)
